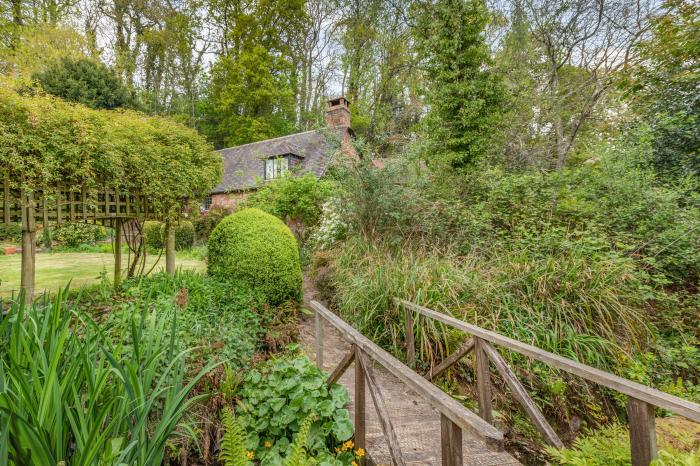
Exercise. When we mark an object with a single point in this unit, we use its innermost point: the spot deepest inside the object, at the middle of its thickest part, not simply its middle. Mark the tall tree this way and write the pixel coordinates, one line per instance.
(251, 96)
(464, 94)
(583, 43)
(665, 88)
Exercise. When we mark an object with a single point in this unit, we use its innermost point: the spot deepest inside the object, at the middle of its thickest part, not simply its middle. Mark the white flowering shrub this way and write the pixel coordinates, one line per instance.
(332, 227)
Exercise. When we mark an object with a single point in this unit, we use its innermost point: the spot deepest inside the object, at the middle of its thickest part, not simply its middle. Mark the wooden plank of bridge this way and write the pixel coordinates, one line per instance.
(410, 339)
(360, 405)
(342, 365)
(483, 381)
(451, 442)
(382, 411)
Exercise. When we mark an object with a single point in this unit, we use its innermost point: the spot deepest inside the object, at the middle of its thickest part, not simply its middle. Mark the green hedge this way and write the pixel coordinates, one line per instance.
(153, 235)
(184, 235)
(259, 249)
(75, 234)
(11, 232)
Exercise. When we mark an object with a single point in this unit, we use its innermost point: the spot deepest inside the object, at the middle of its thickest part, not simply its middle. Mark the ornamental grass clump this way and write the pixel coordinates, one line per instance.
(69, 394)
(258, 249)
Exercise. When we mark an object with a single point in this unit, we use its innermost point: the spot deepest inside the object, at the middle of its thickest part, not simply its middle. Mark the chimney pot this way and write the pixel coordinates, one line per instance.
(338, 113)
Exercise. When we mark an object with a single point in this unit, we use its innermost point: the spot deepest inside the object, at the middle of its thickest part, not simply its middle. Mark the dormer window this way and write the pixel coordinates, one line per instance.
(276, 167)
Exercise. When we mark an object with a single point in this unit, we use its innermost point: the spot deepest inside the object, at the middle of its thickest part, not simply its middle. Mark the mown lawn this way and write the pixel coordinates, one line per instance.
(55, 270)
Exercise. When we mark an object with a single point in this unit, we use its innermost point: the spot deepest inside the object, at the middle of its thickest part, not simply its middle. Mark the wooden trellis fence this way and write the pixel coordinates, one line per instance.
(62, 204)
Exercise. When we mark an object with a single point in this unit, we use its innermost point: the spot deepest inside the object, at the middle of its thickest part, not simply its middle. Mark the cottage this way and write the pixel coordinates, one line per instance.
(249, 166)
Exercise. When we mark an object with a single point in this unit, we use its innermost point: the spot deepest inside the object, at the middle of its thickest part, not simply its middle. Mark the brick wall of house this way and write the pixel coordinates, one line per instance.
(228, 200)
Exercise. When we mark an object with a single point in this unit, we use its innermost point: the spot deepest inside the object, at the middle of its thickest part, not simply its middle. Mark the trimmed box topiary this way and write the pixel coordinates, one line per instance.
(258, 249)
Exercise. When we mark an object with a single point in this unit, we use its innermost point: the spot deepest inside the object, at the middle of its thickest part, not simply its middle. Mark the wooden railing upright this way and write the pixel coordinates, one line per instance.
(642, 400)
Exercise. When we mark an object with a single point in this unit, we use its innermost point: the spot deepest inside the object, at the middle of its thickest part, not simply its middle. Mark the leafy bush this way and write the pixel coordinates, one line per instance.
(233, 451)
(153, 234)
(46, 139)
(275, 400)
(258, 249)
(75, 234)
(93, 399)
(84, 81)
(205, 223)
(11, 232)
(184, 235)
(297, 200)
(606, 447)
(206, 307)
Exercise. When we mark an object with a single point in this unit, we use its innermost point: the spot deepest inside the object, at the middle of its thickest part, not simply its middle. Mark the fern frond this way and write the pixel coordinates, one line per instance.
(233, 451)
(298, 457)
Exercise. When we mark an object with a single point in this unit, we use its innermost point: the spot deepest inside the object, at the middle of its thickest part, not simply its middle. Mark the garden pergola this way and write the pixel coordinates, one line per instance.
(65, 205)
(63, 162)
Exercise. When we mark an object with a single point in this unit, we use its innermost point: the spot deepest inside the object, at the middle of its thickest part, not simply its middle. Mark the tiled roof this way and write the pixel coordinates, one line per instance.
(244, 166)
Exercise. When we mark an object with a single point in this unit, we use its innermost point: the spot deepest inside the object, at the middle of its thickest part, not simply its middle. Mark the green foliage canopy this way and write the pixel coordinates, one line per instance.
(46, 140)
(86, 82)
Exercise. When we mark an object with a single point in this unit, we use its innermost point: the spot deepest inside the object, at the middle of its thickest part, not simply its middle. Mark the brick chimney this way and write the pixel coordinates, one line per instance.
(338, 113)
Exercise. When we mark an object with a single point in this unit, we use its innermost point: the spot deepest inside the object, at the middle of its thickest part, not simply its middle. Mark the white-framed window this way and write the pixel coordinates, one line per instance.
(276, 167)
(206, 204)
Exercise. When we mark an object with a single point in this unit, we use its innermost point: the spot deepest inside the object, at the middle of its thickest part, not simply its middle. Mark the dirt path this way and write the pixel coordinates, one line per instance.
(417, 424)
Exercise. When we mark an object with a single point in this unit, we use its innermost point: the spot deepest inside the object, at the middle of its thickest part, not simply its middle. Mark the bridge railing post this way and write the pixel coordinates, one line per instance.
(319, 340)
(483, 380)
(450, 442)
(360, 402)
(410, 339)
(641, 417)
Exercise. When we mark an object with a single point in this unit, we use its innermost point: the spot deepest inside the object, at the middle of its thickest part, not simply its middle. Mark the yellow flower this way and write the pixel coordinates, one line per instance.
(337, 449)
(250, 455)
(354, 463)
(360, 452)
(348, 445)
(268, 444)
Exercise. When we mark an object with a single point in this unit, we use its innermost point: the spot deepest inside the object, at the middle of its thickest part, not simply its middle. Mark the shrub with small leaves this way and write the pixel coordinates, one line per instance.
(11, 232)
(205, 223)
(75, 234)
(184, 235)
(258, 249)
(152, 233)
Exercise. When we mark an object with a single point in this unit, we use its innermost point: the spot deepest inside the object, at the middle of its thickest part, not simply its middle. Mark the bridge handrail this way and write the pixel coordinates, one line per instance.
(633, 389)
(445, 404)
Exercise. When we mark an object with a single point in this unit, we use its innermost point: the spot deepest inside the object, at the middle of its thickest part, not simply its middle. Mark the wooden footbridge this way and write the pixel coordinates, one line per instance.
(415, 423)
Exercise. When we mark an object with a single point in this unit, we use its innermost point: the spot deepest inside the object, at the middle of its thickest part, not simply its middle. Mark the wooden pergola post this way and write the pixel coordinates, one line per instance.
(118, 253)
(28, 273)
(169, 248)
